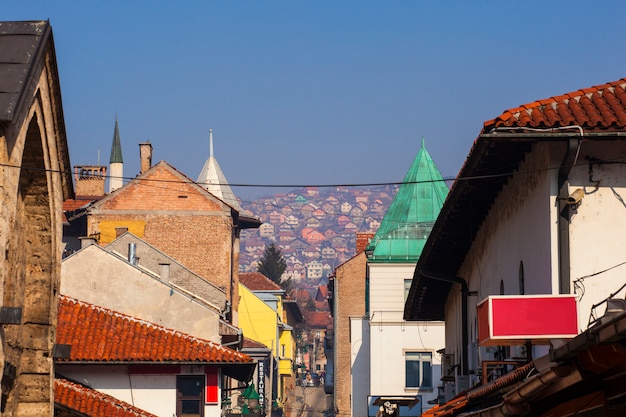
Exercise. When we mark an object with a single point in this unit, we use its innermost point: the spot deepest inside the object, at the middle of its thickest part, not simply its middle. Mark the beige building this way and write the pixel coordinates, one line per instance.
(178, 217)
(34, 181)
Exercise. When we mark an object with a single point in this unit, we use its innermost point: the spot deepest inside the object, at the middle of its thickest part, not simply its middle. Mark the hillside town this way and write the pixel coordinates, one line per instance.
(141, 294)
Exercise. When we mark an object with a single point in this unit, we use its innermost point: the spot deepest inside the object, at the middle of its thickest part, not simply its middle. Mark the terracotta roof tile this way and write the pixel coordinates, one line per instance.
(256, 281)
(600, 107)
(91, 402)
(99, 334)
(317, 319)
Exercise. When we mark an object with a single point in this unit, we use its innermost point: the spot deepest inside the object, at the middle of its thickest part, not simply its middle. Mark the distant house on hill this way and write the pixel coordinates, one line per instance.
(361, 197)
(343, 220)
(329, 253)
(286, 236)
(328, 208)
(311, 191)
(307, 211)
(266, 230)
(314, 270)
(346, 207)
(276, 217)
(329, 234)
(292, 220)
(312, 222)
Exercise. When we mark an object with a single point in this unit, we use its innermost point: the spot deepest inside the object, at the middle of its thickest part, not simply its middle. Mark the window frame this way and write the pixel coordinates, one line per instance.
(422, 364)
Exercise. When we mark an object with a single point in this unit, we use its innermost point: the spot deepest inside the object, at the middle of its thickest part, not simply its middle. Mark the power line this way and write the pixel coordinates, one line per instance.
(336, 185)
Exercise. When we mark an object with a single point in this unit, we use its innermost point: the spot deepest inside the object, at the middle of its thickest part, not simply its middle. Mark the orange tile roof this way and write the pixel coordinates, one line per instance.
(256, 281)
(600, 107)
(317, 319)
(102, 335)
(91, 402)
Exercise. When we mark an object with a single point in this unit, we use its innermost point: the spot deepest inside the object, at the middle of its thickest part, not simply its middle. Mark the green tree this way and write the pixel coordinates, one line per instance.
(272, 264)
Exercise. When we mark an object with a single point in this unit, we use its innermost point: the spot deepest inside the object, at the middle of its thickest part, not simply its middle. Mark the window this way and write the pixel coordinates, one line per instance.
(418, 370)
(190, 395)
(407, 288)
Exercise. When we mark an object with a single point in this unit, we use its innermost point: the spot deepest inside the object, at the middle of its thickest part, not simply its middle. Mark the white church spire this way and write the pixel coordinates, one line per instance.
(212, 178)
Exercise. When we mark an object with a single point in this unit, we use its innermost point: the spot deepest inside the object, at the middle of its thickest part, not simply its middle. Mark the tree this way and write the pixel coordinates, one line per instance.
(272, 264)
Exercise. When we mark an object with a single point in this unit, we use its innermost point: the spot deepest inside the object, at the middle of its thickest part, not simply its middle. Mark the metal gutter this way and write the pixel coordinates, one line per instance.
(464, 316)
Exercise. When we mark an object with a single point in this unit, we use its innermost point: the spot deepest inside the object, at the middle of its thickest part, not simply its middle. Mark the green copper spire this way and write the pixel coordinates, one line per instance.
(116, 147)
(410, 217)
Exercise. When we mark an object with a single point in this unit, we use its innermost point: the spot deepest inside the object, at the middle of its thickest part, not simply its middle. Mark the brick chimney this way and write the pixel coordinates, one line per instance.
(89, 180)
(145, 156)
(362, 240)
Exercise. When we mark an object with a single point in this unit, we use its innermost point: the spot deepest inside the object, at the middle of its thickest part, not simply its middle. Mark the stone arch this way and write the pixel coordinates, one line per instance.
(30, 284)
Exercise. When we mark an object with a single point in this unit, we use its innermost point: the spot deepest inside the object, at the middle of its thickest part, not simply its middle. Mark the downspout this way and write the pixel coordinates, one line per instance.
(568, 162)
(233, 239)
(464, 323)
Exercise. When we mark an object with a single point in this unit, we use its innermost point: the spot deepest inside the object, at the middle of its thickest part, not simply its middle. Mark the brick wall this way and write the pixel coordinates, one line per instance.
(350, 301)
(179, 218)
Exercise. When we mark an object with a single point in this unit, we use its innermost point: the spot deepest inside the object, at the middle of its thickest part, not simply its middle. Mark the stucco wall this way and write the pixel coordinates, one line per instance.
(391, 337)
(155, 393)
(101, 278)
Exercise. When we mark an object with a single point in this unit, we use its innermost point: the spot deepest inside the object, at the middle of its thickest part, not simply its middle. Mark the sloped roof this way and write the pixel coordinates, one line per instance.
(213, 179)
(98, 334)
(599, 107)
(116, 146)
(595, 113)
(317, 319)
(409, 219)
(256, 281)
(92, 403)
(21, 46)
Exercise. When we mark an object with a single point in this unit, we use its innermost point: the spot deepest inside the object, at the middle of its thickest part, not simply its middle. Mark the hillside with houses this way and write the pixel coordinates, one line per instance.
(315, 228)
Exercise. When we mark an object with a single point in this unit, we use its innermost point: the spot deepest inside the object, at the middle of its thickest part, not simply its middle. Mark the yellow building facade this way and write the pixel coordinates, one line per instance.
(263, 318)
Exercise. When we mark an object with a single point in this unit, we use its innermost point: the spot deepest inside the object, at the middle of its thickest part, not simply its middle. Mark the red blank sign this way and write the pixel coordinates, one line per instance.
(513, 320)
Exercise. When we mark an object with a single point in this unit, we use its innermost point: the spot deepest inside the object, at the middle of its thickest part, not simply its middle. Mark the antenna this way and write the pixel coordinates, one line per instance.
(211, 143)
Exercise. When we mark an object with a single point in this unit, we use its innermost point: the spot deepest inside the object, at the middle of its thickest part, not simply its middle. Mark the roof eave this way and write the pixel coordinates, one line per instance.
(441, 256)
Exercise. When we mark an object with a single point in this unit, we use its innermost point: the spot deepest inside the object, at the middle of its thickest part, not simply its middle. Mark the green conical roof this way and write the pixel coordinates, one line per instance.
(116, 147)
(410, 217)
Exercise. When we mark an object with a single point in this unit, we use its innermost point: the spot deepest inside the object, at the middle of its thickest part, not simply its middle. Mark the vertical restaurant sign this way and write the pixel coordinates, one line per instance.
(261, 385)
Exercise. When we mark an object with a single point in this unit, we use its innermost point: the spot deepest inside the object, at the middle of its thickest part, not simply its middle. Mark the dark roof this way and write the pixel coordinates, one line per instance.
(116, 146)
(21, 50)
(597, 112)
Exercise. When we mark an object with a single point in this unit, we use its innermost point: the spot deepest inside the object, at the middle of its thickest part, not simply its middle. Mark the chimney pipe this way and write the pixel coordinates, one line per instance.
(165, 272)
(87, 241)
(132, 253)
(145, 156)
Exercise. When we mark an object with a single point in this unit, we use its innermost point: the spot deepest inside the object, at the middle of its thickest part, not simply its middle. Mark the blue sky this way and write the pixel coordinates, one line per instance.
(314, 92)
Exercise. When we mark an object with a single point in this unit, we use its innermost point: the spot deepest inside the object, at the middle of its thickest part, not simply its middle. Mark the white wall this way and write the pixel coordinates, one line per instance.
(153, 393)
(359, 342)
(386, 290)
(522, 227)
(391, 336)
(388, 344)
(598, 229)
